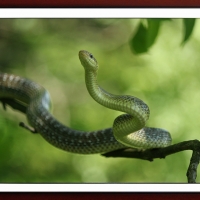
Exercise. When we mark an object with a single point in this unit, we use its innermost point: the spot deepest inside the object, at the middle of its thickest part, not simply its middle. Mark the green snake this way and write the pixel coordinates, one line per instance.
(128, 130)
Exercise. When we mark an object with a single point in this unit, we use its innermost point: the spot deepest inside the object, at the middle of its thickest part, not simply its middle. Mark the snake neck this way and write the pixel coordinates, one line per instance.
(125, 103)
(99, 94)
(91, 84)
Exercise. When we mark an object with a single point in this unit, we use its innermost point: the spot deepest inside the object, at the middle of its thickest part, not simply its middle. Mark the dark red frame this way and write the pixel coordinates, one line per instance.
(99, 196)
(97, 3)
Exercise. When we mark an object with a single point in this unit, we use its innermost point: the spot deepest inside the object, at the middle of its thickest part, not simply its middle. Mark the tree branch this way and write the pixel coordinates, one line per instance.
(151, 154)
(16, 105)
(192, 169)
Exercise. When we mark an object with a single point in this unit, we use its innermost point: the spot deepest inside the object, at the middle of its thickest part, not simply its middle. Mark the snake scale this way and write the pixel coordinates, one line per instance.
(128, 129)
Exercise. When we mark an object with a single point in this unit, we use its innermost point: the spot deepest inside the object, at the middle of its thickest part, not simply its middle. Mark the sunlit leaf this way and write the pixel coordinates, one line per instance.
(152, 31)
(139, 40)
(145, 36)
(188, 26)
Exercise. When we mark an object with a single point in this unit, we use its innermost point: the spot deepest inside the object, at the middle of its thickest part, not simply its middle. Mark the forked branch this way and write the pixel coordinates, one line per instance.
(151, 154)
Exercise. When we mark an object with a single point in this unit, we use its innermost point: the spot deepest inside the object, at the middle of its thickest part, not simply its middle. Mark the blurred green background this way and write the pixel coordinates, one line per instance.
(167, 78)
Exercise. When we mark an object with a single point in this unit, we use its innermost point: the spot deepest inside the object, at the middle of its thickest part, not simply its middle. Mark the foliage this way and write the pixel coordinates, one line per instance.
(146, 35)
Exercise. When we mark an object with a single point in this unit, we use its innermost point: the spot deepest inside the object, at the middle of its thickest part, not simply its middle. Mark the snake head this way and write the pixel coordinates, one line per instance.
(88, 61)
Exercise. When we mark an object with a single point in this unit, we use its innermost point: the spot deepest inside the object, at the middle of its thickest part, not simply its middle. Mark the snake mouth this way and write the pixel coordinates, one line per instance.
(83, 54)
(88, 60)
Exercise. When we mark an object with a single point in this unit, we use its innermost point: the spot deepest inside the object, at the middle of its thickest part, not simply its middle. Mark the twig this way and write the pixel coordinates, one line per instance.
(192, 169)
(20, 106)
(16, 105)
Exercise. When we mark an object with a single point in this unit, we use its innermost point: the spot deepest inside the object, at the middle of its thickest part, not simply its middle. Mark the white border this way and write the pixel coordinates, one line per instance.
(99, 187)
(100, 13)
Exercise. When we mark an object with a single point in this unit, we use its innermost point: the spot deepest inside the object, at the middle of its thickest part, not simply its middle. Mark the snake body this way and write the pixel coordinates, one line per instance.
(128, 129)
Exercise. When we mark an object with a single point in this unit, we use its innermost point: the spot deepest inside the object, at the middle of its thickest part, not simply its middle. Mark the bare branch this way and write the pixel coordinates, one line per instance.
(151, 154)
(16, 105)
(192, 169)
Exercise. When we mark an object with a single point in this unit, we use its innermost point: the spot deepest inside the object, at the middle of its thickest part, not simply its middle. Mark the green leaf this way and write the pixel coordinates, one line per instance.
(188, 26)
(145, 36)
(138, 42)
(152, 31)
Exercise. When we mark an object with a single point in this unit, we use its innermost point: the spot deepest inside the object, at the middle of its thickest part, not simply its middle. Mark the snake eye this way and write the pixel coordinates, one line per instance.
(91, 56)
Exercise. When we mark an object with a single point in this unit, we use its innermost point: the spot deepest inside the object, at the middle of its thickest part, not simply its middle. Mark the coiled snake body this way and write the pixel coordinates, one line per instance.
(128, 129)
